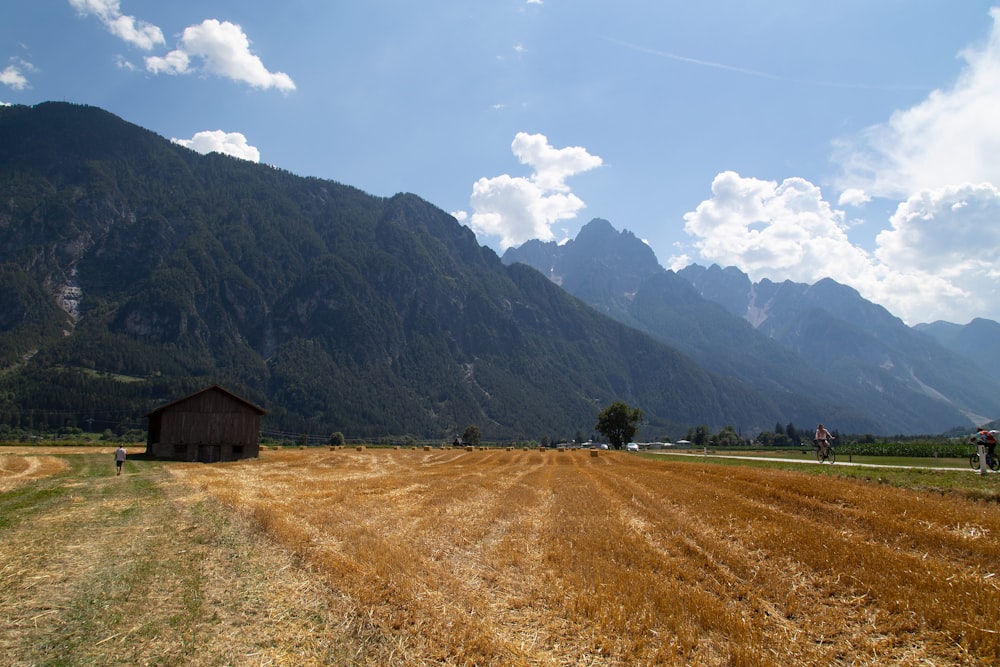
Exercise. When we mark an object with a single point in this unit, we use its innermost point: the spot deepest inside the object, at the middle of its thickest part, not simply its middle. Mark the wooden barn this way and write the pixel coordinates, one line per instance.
(208, 426)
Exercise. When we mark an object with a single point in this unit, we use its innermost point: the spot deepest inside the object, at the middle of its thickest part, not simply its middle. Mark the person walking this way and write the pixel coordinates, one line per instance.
(119, 458)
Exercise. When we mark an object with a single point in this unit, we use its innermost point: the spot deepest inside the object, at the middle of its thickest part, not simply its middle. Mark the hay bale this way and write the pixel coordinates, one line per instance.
(470, 448)
(360, 448)
(427, 448)
(593, 452)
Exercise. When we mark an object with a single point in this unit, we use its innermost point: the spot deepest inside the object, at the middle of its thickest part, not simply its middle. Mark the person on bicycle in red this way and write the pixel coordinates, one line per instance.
(822, 440)
(988, 439)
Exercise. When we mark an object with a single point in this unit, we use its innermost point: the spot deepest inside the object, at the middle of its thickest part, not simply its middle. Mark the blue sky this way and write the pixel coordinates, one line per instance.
(855, 139)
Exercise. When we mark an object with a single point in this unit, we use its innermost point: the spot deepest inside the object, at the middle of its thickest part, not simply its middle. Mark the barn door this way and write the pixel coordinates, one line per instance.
(209, 453)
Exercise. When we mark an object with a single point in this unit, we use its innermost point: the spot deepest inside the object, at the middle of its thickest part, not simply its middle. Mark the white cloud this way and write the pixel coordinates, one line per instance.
(951, 137)
(124, 63)
(951, 238)
(516, 209)
(855, 197)
(938, 260)
(132, 30)
(222, 49)
(175, 62)
(939, 253)
(772, 230)
(217, 141)
(12, 77)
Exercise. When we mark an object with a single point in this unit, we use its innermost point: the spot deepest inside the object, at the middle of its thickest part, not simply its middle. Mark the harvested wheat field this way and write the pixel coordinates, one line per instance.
(560, 558)
(16, 470)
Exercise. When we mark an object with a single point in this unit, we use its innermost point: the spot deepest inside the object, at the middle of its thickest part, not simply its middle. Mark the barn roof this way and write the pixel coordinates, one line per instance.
(213, 387)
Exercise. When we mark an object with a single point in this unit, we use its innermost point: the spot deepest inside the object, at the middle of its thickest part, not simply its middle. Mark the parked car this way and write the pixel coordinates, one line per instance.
(632, 447)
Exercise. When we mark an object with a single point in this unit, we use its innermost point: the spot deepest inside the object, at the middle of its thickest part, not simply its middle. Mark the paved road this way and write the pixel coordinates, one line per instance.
(808, 460)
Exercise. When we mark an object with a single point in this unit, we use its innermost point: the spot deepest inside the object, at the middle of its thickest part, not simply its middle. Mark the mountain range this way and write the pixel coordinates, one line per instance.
(134, 270)
(978, 341)
(820, 350)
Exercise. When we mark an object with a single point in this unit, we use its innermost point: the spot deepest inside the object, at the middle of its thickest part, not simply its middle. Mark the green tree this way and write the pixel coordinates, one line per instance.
(793, 434)
(698, 436)
(471, 435)
(337, 438)
(727, 437)
(619, 422)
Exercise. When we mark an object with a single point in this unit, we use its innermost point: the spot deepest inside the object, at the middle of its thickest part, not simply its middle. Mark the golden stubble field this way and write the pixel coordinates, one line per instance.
(524, 557)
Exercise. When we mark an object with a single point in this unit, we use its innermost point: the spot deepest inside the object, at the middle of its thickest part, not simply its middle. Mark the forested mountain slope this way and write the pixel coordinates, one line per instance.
(133, 270)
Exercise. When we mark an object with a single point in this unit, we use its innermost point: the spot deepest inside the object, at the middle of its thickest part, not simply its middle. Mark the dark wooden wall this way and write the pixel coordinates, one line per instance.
(209, 426)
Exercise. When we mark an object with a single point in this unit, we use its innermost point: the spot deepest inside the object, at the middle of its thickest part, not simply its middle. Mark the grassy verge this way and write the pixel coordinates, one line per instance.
(894, 471)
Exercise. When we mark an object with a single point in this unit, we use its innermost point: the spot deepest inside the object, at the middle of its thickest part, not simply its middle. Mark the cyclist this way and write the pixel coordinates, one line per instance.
(822, 440)
(988, 439)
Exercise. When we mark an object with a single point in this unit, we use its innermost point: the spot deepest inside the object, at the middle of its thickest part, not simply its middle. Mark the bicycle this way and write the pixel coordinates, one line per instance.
(828, 455)
(992, 461)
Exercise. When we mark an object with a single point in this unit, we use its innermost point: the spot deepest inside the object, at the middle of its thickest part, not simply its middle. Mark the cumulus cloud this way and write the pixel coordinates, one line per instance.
(937, 260)
(217, 141)
(950, 236)
(132, 30)
(854, 197)
(937, 254)
(220, 48)
(951, 137)
(12, 77)
(516, 209)
(772, 229)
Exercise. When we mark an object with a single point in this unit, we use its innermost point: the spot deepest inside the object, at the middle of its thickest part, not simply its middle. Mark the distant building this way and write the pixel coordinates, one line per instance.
(208, 426)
